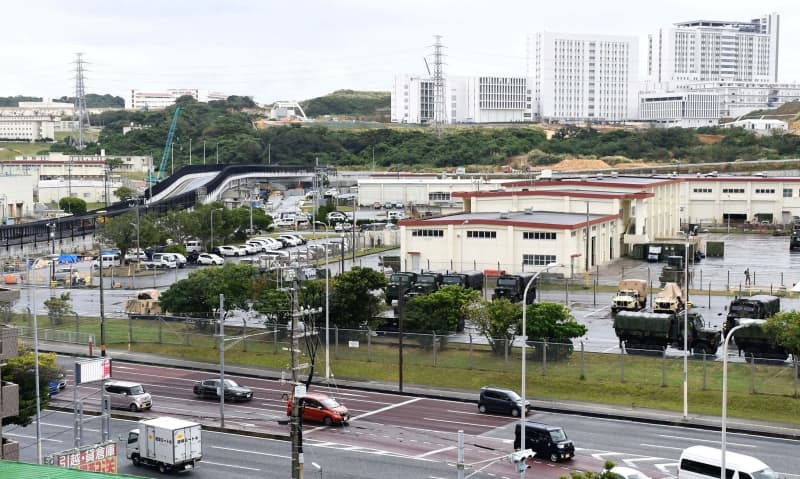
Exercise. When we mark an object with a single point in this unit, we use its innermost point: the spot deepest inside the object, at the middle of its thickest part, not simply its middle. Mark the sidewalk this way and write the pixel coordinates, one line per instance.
(651, 416)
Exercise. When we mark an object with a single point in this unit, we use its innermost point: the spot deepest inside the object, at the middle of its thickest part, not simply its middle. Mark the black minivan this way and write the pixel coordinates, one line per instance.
(501, 400)
(546, 441)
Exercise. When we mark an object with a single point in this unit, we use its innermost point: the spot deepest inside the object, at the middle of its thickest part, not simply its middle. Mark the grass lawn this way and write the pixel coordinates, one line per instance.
(10, 150)
(648, 382)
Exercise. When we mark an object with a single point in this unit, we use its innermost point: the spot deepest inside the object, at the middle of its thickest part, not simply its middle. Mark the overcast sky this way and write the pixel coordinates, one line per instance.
(296, 50)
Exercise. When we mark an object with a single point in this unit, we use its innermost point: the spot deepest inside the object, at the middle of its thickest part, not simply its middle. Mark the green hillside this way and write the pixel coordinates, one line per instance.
(363, 105)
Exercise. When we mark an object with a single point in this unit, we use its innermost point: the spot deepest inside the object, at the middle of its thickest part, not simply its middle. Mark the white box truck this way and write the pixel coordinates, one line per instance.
(167, 443)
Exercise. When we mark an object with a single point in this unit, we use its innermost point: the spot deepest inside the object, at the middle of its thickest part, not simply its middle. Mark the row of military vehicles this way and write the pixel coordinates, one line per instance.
(409, 284)
(646, 331)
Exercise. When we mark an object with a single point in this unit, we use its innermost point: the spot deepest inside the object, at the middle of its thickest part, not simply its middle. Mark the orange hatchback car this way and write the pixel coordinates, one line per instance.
(319, 407)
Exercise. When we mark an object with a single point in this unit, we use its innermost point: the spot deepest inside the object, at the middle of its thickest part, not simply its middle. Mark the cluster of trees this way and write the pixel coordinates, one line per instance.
(19, 370)
(180, 225)
(92, 100)
(354, 305)
(350, 103)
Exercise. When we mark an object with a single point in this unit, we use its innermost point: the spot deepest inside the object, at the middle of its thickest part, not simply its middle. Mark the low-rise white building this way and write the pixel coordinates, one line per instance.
(679, 109)
(16, 197)
(420, 189)
(20, 128)
(90, 191)
(508, 241)
(760, 126)
(154, 100)
(58, 165)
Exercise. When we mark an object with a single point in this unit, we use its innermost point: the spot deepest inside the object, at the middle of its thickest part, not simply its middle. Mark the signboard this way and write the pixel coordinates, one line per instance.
(95, 458)
(92, 370)
(300, 391)
(352, 344)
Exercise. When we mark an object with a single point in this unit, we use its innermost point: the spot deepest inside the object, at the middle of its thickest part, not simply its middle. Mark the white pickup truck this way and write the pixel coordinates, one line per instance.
(166, 443)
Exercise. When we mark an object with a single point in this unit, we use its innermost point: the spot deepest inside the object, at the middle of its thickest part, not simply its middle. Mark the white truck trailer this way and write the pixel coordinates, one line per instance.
(167, 443)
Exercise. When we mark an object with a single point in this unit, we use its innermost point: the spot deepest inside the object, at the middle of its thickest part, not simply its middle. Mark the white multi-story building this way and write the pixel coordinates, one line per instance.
(141, 100)
(580, 77)
(30, 128)
(683, 109)
(16, 197)
(39, 108)
(478, 99)
(708, 50)
(58, 165)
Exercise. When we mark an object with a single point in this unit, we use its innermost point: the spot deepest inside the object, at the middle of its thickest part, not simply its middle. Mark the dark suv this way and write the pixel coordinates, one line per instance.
(546, 441)
(501, 400)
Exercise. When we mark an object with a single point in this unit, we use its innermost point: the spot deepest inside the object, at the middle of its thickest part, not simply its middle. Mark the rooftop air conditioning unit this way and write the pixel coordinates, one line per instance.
(528, 211)
(614, 174)
(504, 215)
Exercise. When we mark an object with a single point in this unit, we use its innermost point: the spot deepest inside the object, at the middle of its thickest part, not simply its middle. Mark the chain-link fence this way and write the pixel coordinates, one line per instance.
(267, 345)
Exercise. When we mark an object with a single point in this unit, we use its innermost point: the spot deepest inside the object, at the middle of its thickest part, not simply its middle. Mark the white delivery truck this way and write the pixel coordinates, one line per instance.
(167, 443)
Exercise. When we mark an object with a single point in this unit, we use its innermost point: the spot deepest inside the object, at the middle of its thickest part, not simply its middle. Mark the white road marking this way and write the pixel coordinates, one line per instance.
(632, 462)
(706, 440)
(251, 452)
(437, 451)
(383, 409)
(230, 465)
(459, 422)
(30, 437)
(662, 447)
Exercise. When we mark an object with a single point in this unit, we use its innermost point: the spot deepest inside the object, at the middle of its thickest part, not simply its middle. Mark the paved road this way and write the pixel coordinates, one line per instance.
(416, 427)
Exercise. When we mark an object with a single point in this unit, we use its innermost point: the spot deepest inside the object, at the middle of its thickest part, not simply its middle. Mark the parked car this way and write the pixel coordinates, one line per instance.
(343, 227)
(399, 205)
(193, 245)
(388, 205)
(291, 240)
(227, 250)
(233, 391)
(57, 384)
(377, 205)
(249, 248)
(546, 441)
(133, 255)
(209, 258)
(319, 407)
(501, 400)
(284, 222)
(336, 216)
(192, 257)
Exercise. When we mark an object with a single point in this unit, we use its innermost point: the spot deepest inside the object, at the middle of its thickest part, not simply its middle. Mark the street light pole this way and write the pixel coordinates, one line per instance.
(742, 323)
(523, 409)
(221, 360)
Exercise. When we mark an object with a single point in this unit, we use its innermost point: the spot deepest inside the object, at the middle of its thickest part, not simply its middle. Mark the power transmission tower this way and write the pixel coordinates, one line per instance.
(80, 110)
(438, 85)
(80, 99)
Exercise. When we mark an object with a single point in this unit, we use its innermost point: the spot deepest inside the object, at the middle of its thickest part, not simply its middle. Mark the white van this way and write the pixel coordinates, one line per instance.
(110, 260)
(193, 245)
(702, 462)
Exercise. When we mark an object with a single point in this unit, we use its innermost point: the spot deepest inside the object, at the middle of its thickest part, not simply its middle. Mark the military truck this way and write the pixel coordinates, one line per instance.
(674, 271)
(467, 279)
(754, 340)
(642, 331)
(794, 241)
(399, 283)
(426, 283)
(512, 286)
(631, 296)
(669, 300)
(144, 306)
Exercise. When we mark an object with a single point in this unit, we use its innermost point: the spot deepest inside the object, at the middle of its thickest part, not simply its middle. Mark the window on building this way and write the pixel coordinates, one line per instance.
(538, 259)
(702, 190)
(539, 235)
(787, 192)
(482, 234)
(765, 191)
(733, 190)
(439, 196)
(426, 233)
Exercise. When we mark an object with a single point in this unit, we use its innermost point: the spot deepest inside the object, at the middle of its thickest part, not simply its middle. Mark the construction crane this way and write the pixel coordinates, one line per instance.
(155, 178)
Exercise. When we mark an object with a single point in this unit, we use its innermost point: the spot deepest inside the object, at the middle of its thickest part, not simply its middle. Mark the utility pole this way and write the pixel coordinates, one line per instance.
(221, 360)
(296, 429)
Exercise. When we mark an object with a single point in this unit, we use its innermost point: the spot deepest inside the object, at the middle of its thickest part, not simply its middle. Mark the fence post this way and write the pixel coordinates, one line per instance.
(470, 363)
(434, 348)
(704, 370)
(244, 335)
(709, 294)
(566, 292)
(752, 374)
(622, 361)
(583, 375)
(795, 377)
(505, 350)
(275, 337)
(77, 324)
(160, 325)
(664, 365)
(544, 358)
(369, 345)
(336, 341)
